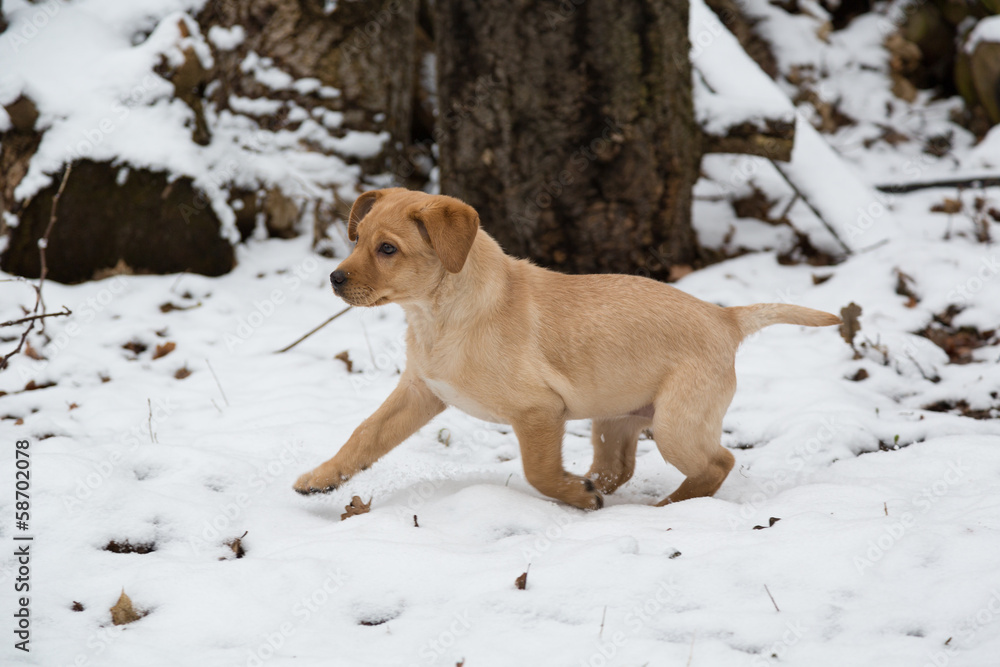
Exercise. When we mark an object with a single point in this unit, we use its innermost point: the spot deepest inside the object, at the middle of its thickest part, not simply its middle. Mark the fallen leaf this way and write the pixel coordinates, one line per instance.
(73, 406)
(947, 206)
(19, 422)
(135, 347)
(415, 524)
(819, 280)
(32, 385)
(164, 350)
(343, 356)
(770, 523)
(123, 612)
(850, 326)
(522, 581)
(182, 373)
(32, 352)
(356, 507)
(678, 271)
(236, 544)
(169, 306)
(127, 547)
(77, 606)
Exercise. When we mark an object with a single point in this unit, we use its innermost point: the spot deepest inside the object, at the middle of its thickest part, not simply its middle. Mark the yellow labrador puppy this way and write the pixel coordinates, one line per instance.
(510, 342)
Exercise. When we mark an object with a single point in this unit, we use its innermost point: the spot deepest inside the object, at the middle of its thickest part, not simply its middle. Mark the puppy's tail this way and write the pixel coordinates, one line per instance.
(753, 318)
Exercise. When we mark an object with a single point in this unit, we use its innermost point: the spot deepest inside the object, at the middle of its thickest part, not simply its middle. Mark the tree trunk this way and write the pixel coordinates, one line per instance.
(570, 127)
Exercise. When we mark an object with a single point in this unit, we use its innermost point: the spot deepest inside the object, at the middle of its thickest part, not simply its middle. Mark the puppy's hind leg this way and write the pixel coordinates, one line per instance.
(687, 428)
(540, 435)
(614, 442)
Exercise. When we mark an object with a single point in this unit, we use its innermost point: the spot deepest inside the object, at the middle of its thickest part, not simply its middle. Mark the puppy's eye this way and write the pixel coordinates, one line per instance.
(387, 249)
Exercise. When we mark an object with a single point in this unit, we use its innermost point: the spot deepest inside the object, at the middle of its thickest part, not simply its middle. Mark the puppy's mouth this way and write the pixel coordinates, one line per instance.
(362, 296)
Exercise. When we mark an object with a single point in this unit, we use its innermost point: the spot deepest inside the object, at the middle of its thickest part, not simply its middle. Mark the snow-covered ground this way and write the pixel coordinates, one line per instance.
(887, 542)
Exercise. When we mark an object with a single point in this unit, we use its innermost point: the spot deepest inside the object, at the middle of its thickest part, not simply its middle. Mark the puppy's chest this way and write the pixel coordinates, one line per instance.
(453, 396)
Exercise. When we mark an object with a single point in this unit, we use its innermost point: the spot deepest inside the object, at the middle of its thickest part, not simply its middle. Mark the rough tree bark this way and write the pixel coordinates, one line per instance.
(159, 222)
(570, 127)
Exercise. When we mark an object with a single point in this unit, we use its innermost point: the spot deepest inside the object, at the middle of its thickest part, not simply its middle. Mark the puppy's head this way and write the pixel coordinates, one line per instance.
(406, 243)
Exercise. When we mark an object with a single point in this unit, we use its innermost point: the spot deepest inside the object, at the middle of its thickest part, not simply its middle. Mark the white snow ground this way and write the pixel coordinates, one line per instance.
(879, 558)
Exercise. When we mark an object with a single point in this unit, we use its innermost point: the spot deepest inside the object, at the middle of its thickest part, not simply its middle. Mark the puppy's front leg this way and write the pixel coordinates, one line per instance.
(540, 435)
(410, 405)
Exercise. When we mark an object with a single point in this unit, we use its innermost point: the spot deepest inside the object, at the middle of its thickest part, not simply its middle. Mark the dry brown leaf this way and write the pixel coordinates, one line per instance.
(521, 582)
(182, 373)
(77, 606)
(19, 421)
(123, 612)
(850, 326)
(164, 350)
(949, 206)
(356, 507)
(135, 347)
(678, 271)
(236, 545)
(73, 406)
(32, 352)
(343, 356)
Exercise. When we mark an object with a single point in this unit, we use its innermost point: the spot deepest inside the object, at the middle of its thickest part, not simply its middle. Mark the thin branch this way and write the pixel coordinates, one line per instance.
(219, 384)
(43, 243)
(772, 598)
(65, 311)
(330, 319)
(903, 188)
(43, 269)
(24, 337)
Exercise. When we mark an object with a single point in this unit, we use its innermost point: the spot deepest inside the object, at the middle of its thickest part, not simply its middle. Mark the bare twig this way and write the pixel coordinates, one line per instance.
(809, 205)
(65, 311)
(43, 243)
(152, 436)
(903, 188)
(772, 598)
(43, 269)
(218, 384)
(330, 319)
(601, 631)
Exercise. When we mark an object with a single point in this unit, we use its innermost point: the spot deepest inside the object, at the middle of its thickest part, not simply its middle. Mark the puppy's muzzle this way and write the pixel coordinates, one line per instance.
(338, 278)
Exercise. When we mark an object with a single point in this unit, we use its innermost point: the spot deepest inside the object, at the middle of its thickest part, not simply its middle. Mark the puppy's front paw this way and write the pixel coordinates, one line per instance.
(320, 480)
(584, 494)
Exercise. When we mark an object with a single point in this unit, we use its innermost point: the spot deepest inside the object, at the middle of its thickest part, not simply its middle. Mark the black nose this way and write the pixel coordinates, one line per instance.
(337, 278)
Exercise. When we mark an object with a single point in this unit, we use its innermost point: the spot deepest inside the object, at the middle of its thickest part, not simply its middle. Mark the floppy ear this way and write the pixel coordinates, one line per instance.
(362, 205)
(451, 226)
